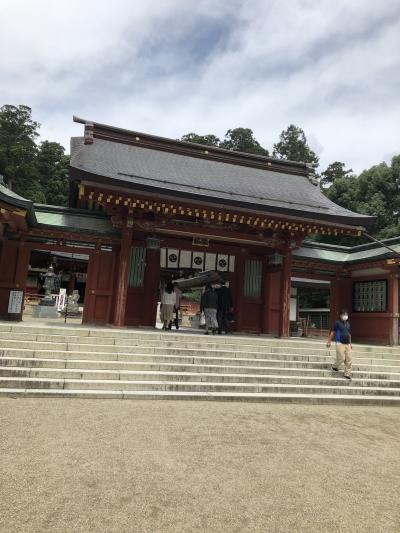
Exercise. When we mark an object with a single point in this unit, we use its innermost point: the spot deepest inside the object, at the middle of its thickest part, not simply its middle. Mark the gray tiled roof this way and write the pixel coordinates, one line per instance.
(208, 180)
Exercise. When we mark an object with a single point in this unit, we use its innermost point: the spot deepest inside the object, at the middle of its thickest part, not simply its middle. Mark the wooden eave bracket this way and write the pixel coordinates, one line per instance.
(167, 207)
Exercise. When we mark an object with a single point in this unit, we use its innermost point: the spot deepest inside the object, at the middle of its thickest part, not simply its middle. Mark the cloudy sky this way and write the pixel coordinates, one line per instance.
(170, 67)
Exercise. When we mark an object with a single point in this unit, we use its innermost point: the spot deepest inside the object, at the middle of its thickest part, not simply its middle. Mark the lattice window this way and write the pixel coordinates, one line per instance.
(252, 278)
(137, 267)
(370, 296)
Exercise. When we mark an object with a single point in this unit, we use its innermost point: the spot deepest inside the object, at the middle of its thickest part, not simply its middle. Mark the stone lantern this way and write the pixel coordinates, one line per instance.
(46, 308)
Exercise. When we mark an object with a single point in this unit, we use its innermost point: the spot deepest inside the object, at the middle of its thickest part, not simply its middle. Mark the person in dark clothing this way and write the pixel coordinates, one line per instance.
(209, 306)
(177, 307)
(225, 307)
(340, 332)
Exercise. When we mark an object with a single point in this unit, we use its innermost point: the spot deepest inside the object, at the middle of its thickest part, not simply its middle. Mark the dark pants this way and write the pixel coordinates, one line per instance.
(176, 321)
(223, 323)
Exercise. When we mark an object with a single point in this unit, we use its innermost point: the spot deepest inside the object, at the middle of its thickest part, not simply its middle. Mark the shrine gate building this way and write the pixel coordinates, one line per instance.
(142, 207)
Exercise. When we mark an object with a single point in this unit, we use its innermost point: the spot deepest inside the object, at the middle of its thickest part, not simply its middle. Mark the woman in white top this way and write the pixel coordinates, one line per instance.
(168, 301)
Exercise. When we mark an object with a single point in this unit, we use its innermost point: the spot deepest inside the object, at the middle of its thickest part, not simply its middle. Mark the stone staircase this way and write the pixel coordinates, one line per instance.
(82, 362)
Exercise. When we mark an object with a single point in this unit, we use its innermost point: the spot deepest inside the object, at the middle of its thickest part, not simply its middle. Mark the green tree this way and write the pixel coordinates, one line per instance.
(39, 173)
(52, 167)
(243, 140)
(379, 195)
(376, 192)
(292, 145)
(344, 192)
(237, 139)
(18, 151)
(333, 172)
(209, 140)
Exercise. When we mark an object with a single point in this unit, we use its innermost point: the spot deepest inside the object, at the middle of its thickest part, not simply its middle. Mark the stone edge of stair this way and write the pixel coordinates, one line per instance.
(250, 397)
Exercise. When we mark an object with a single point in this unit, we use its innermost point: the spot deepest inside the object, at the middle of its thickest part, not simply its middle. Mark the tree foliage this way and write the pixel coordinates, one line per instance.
(333, 172)
(18, 149)
(209, 140)
(293, 146)
(237, 139)
(242, 140)
(38, 173)
(376, 192)
(52, 165)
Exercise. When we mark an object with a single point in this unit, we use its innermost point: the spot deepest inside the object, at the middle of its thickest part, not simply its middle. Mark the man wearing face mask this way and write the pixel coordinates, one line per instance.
(341, 333)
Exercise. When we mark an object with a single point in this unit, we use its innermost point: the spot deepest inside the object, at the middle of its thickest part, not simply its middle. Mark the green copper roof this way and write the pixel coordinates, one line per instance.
(12, 198)
(70, 219)
(315, 251)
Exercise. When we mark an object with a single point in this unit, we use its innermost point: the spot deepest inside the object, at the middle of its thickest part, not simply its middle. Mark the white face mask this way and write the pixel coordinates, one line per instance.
(344, 317)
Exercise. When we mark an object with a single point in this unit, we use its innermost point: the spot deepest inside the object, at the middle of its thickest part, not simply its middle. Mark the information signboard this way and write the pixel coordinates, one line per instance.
(15, 302)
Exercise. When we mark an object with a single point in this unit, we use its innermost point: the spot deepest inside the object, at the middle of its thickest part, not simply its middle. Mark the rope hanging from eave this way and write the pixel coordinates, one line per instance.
(382, 244)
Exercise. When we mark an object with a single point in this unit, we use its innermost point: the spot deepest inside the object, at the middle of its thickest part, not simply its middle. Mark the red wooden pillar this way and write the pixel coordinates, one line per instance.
(343, 295)
(285, 294)
(14, 264)
(151, 286)
(393, 307)
(123, 275)
(266, 299)
(71, 283)
(21, 274)
(334, 287)
(238, 300)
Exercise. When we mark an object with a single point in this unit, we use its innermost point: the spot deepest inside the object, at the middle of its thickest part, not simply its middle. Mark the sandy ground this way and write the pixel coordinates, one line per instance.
(168, 466)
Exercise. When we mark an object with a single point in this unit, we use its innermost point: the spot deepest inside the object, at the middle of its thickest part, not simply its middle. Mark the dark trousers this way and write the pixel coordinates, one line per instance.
(223, 323)
(176, 320)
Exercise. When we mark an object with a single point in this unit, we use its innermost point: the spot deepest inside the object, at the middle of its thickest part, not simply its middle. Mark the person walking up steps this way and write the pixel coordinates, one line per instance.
(341, 333)
(209, 305)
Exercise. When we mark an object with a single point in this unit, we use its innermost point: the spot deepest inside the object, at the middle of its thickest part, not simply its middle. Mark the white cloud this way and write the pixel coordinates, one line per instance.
(174, 66)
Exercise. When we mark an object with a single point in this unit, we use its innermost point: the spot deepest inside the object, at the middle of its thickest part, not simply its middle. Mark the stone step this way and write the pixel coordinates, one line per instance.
(87, 362)
(84, 374)
(126, 366)
(111, 336)
(47, 383)
(340, 399)
(75, 343)
(213, 396)
(238, 358)
(148, 362)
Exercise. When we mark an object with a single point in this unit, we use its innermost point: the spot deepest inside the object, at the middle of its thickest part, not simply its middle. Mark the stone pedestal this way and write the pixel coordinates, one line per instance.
(45, 309)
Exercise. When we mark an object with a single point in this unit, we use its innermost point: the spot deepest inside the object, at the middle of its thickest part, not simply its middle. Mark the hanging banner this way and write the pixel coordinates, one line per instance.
(222, 262)
(172, 258)
(198, 260)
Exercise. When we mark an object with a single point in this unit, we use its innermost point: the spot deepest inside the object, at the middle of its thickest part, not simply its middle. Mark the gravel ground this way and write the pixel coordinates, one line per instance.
(168, 466)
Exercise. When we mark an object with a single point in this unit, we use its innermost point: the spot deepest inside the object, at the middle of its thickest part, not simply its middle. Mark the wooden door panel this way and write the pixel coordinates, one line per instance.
(251, 316)
(99, 288)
